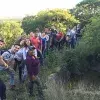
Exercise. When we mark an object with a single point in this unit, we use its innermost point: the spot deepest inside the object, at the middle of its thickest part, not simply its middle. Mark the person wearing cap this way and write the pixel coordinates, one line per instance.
(33, 64)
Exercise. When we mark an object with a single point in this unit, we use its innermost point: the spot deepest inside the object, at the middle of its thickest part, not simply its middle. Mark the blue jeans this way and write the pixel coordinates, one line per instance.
(10, 72)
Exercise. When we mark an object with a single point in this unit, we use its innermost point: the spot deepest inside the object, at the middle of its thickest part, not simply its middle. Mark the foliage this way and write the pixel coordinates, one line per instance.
(60, 18)
(86, 9)
(9, 31)
(86, 55)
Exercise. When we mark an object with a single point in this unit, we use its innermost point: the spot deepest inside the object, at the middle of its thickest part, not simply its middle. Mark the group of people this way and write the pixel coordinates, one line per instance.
(73, 35)
(27, 55)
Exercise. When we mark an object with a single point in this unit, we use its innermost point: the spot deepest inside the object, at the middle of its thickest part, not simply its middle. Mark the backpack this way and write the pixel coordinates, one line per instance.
(2, 51)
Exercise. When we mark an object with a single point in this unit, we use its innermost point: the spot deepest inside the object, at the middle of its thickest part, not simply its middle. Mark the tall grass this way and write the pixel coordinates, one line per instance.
(81, 91)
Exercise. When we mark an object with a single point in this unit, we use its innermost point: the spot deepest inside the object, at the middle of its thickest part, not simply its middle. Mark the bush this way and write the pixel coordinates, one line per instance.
(10, 31)
(86, 54)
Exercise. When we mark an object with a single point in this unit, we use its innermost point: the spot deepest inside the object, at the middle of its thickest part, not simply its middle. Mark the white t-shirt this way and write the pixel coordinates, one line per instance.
(47, 37)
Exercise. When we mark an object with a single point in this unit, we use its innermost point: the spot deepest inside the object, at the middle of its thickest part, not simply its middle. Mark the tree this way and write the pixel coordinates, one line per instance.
(86, 9)
(9, 31)
(86, 55)
(60, 18)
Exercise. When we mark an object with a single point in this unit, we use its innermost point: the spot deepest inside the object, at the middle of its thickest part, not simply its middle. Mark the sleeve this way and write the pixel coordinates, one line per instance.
(35, 53)
(68, 33)
(24, 54)
(6, 56)
(18, 55)
(47, 38)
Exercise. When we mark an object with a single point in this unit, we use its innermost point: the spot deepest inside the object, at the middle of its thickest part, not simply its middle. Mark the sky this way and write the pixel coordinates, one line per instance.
(21, 8)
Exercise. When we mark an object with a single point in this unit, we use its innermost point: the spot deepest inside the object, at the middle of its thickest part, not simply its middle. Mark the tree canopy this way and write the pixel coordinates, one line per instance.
(60, 18)
(86, 9)
(9, 31)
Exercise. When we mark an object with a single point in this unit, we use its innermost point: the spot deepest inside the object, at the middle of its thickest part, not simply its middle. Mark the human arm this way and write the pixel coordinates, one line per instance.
(2, 62)
(24, 54)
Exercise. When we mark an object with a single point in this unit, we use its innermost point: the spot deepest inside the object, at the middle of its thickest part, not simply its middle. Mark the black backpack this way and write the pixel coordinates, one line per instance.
(2, 51)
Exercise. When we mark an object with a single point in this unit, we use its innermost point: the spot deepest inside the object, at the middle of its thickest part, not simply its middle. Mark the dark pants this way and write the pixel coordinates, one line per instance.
(2, 90)
(39, 54)
(19, 65)
(58, 45)
(72, 43)
(43, 52)
(39, 88)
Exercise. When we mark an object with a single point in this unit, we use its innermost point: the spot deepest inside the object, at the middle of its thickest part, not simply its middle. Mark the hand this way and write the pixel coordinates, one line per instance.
(6, 66)
(33, 77)
(33, 57)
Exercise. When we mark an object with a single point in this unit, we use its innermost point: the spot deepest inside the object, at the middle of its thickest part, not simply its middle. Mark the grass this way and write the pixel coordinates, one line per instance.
(80, 91)
(71, 91)
(84, 88)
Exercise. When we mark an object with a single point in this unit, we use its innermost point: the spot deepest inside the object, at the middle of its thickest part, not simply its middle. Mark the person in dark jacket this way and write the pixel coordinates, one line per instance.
(2, 85)
(33, 63)
(2, 90)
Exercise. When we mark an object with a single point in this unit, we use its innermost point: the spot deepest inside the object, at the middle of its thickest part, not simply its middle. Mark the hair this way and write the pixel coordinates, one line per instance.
(17, 44)
(24, 44)
(1, 40)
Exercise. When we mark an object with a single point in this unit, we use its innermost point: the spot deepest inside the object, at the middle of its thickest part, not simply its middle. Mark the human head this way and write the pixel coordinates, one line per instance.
(31, 51)
(15, 48)
(36, 35)
(1, 43)
(23, 37)
(46, 30)
(43, 34)
(37, 30)
(32, 34)
(26, 42)
(22, 43)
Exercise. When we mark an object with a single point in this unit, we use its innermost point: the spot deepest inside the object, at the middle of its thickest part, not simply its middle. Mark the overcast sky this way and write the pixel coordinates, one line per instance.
(20, 8)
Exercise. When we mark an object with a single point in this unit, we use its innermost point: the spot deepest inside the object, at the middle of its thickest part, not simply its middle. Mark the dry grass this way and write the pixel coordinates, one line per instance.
(79, 92)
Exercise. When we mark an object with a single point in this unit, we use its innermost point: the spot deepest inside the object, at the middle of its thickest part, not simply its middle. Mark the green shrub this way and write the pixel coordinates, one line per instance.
(87, 54)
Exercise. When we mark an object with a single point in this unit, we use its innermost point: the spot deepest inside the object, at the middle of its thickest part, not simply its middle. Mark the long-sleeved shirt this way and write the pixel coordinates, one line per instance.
(25, 50)
(32, 65)
(22, 53)
(8, 57)
(19, 54)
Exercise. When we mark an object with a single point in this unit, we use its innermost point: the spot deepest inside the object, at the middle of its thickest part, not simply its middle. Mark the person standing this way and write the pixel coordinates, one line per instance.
(8, 59)
(33, 64)
(71, 37)
(2, 85)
